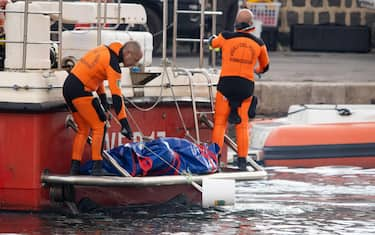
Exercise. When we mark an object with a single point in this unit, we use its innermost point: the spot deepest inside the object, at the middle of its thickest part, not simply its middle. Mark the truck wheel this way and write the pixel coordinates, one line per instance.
(154, 23)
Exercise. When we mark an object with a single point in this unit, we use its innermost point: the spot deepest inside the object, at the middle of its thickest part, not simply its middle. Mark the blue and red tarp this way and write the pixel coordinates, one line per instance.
(163, 156)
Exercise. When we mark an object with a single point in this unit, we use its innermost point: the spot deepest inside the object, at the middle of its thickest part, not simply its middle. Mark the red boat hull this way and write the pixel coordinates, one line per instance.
(34, 142)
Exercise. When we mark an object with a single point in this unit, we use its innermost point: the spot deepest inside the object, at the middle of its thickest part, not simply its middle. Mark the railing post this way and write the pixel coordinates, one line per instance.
(25, 27)
(60, 33)
(175, 22)
(165, 22)
(201, 35)
(99, 23)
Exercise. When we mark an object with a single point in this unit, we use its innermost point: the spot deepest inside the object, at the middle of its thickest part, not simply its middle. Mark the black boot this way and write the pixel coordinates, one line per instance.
(242, 163)
(218, 163)
(98, 170)
(74, 169)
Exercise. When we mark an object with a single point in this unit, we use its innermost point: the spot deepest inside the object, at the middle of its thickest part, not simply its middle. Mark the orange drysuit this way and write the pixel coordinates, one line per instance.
(240, 52)
(87, 76)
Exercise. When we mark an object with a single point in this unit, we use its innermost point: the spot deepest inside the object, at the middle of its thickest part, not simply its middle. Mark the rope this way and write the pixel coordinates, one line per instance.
(341, 111)
(165, 73)
(156, 102)
(179, 112)
(187, 175)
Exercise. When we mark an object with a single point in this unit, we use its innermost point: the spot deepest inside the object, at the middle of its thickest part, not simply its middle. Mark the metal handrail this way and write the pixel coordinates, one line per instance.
(33, 12)
(199, 12)
(189, 73)
(190, 40)
(201, 39)
(40, 42)
(25, 29)
(25, 42)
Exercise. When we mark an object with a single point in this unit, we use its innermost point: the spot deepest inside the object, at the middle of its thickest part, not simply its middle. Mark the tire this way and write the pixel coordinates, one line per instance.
(154, 24)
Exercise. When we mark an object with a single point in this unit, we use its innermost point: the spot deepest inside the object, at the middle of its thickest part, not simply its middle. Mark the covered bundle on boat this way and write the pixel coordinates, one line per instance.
(163, 156)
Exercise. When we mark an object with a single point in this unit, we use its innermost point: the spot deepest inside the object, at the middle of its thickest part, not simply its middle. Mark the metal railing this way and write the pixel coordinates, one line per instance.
(203, 12)
(25, 41)
(101, 20)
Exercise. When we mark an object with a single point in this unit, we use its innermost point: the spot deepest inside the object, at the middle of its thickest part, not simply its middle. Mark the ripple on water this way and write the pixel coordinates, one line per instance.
(321, 200)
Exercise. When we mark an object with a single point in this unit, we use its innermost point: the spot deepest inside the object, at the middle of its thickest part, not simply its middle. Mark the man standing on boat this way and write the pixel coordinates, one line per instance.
(89, 112)
(240, 52)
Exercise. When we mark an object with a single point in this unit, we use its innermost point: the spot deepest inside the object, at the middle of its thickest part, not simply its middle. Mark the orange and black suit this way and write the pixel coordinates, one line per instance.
(240, 53)
(87, 76)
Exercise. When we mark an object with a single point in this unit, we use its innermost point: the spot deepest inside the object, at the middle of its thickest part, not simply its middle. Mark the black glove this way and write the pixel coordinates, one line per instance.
(104, 102)
(258, 75)
(125, 129)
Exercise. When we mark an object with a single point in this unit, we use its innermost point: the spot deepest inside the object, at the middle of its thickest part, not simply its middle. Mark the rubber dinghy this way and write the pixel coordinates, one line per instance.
(317, 135)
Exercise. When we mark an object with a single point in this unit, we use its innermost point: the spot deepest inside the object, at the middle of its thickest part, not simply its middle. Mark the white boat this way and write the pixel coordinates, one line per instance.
(317, 135)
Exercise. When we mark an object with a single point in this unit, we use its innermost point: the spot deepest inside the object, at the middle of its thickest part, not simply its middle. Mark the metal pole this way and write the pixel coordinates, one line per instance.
(165, 22)
(214, 20)
(118, 12)
(60, 33)
(105, 13)
(203, 8)
(99, 23)
(174, 50)
(25, 27)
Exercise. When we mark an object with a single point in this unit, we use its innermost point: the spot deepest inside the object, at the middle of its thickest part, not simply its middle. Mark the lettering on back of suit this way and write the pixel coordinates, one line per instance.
(238, 49)
(94, 62)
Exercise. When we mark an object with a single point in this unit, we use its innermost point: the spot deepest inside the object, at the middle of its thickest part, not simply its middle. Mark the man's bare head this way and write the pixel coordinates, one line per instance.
(131, 53)
(245, 16)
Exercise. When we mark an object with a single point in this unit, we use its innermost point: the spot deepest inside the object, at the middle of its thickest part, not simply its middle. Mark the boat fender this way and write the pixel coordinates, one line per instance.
(99, 109)
(253, 107)
(344, 112)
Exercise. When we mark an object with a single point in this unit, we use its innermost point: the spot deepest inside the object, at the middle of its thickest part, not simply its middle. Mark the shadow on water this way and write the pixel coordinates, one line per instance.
(322, 200)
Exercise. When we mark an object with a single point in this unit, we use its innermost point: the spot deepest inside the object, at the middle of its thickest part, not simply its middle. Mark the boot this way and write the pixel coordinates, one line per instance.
(218, 163)
(98, 170)
(242, 163)
(234, 118)
(74, 169)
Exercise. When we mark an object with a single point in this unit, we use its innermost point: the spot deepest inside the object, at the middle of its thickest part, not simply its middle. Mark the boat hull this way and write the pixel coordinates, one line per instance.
(34, 143)
(312, 145)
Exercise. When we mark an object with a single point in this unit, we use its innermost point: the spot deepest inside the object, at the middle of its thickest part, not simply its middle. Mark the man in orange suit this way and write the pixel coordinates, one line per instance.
(240, 52)
(89, 112)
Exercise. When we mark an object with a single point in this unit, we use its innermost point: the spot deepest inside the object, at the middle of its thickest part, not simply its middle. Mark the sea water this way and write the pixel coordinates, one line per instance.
(321, 200)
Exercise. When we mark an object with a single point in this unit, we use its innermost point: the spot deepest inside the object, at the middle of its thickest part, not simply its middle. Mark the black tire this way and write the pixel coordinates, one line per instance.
(154, 24)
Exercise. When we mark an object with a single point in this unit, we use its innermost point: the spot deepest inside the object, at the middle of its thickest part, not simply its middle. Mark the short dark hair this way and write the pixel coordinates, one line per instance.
(132, 46)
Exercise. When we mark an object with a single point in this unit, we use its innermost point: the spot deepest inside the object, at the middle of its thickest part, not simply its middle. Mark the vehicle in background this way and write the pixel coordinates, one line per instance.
(188, 24)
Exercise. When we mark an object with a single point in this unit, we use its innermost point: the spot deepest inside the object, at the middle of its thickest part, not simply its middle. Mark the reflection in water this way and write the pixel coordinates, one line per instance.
(322, 200)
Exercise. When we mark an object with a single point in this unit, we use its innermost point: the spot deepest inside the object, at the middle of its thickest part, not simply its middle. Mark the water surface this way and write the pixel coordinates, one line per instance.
(322, 200)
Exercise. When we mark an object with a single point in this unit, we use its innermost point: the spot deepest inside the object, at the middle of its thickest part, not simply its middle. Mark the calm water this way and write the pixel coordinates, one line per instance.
(323, 200)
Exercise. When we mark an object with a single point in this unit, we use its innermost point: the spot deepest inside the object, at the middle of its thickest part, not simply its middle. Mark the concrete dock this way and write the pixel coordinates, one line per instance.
(308, 78)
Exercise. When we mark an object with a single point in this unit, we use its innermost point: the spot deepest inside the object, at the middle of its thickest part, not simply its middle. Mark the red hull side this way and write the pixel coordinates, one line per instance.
(111, 197)
(32, 143)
